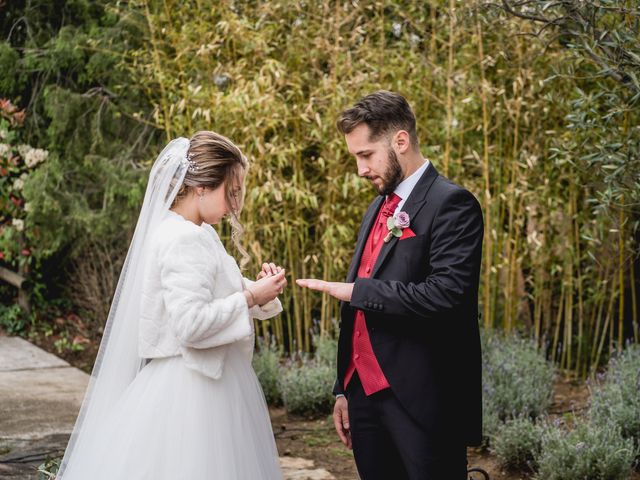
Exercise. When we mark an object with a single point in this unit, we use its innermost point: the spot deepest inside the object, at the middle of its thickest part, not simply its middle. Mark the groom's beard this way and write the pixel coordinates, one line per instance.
(392, 175)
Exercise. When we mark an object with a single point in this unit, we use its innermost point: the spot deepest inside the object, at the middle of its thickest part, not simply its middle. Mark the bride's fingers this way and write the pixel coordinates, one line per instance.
(279, 277)
(273, 269)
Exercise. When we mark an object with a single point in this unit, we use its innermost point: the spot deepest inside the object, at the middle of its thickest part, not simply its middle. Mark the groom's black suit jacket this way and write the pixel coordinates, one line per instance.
(421, 309)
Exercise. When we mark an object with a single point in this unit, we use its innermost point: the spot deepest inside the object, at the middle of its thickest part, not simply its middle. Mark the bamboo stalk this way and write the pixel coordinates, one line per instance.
(599, 315)
(578, 256)
(488, 241)
(634, 302)
(447, 144)
(607, 321)
(556, 333)
(621, 250)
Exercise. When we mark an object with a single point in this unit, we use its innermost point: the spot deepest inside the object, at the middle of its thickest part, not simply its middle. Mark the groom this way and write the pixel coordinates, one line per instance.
(408, 392)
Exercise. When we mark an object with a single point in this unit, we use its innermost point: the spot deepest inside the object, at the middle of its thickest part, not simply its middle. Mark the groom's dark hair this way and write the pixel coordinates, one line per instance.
(383, 112)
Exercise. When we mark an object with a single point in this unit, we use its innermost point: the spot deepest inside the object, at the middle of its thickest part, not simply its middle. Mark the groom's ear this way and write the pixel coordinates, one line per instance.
(402, 141)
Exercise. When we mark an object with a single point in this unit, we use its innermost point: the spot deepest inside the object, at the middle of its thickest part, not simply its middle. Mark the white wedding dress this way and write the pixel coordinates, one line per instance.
(195, 411)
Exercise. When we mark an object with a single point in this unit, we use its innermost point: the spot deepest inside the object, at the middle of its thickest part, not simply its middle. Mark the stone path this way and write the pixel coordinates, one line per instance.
(40, 396)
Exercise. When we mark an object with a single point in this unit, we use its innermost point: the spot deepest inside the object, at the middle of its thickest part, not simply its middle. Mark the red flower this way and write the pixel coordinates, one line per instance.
(1, 256)
(26, 252)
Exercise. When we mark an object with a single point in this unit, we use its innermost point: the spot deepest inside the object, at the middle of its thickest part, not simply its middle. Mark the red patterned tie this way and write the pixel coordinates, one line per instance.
(388, 207)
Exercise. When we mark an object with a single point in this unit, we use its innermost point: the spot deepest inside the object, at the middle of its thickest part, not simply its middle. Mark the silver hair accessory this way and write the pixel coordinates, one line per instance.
(192, 165)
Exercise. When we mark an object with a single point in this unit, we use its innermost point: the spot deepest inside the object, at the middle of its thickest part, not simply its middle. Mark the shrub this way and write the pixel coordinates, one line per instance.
(306, 386)
(13, 319)
(517, 442)
(517, 379)
(266, 363)
(617, 399)
(589, 451)
(326, 349)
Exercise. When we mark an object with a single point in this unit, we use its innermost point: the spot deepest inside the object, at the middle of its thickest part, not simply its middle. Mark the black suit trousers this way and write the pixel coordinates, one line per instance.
(389, 445)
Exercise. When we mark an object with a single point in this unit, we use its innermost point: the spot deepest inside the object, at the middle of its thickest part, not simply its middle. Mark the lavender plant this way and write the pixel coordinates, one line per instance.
(266, 363)
(306, 385)
(616, 399)
(517, 442)
(589, 451)
(517, 380)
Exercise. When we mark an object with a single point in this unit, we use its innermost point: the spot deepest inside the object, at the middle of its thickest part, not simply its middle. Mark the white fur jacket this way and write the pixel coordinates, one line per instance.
(192, 300)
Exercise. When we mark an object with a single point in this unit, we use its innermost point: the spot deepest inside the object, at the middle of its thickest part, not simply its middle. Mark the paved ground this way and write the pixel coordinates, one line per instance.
(40, 396)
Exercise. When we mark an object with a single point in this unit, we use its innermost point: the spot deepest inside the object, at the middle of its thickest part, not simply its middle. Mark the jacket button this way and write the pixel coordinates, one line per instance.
(356, 356)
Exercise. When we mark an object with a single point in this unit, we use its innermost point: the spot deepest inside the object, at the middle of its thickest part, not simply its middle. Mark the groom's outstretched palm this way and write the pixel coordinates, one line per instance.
(341, 291)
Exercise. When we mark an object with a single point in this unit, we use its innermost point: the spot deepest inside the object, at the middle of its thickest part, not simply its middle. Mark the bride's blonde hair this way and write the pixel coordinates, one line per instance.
(213, 160)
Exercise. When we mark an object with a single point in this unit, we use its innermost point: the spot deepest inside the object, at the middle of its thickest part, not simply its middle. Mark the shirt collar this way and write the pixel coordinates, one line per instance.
(404, 189)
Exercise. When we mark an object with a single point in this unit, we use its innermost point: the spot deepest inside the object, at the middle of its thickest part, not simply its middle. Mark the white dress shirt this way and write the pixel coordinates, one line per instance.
(406, 186)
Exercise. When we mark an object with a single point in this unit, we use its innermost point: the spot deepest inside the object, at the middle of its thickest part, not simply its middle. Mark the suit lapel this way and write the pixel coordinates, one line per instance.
(412, 206)
(367, 223)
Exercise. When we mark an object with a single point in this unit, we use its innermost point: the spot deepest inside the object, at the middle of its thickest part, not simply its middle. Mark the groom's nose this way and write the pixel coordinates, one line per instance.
(363, 170)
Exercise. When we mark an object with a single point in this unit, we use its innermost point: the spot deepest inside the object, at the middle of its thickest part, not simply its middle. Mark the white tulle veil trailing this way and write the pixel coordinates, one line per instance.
(117, 362)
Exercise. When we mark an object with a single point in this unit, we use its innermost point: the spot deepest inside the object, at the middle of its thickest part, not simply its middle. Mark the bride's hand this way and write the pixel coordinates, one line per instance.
(266, 288)
(269, 269)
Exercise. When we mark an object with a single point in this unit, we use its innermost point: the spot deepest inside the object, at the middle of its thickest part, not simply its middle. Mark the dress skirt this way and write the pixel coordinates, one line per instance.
(173, 423)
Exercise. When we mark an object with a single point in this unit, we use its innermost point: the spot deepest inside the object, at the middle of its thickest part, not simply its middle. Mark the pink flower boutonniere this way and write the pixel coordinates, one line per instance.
(396, 224)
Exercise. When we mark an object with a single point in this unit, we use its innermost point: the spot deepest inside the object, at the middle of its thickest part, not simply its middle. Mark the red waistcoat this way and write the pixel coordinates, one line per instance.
(363, 360)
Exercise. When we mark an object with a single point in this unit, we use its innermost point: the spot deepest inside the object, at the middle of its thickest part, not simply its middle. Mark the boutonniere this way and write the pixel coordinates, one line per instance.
(396, 224)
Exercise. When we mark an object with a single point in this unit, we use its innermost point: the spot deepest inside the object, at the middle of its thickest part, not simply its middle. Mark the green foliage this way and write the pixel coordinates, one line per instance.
(66, 68)
(306, 383)
(266, 363)
(616, 400)
(603, 40)
(588, 451)
(517, 380)
(9, 82)
(49, 469)
(13, 319)
(306, 386)
(517, 442)
(326, 349)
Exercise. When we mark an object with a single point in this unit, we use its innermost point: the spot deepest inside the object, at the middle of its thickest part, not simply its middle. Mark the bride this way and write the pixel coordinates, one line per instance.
(172, 394)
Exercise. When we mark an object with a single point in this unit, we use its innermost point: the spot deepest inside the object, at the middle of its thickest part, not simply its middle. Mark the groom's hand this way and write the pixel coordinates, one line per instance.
(341, 291)
(341, 420)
